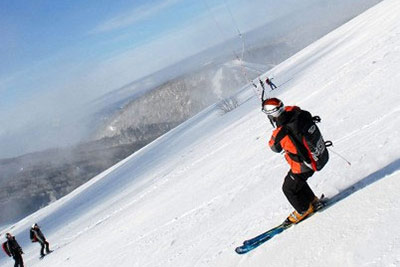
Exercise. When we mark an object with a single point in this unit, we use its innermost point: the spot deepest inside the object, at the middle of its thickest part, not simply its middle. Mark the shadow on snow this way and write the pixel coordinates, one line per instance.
(370, 179)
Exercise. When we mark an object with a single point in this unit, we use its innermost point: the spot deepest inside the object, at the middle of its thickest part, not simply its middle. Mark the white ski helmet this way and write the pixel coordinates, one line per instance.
(273, 107)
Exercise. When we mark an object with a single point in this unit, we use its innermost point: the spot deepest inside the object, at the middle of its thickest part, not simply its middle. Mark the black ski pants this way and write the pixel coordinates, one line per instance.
(44, 244)
(19, 262)
(297, 191)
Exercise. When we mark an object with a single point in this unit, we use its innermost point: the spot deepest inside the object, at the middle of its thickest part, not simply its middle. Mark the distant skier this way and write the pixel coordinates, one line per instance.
(12, 249)
(270, 83)
(36, 235)
(292, 124)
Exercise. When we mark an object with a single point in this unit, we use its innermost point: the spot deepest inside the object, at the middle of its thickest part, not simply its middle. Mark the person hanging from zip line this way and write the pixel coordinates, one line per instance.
(305, 150)
(270, 83)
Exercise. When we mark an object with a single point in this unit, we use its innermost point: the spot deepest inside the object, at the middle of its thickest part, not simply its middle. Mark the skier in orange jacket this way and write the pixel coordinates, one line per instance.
(291, 123)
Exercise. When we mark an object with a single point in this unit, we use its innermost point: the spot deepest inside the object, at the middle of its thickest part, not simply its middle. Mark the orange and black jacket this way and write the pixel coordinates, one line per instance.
(287, 137)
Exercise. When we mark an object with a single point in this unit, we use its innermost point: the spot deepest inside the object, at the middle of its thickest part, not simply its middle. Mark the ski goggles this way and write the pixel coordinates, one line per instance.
(273, 112)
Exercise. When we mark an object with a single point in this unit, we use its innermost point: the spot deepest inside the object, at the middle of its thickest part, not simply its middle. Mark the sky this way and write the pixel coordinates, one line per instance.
(48, 45)
(56, 56)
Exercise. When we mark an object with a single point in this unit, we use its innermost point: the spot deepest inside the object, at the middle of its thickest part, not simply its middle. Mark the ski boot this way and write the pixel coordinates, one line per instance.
(319, 203)
(296, 217)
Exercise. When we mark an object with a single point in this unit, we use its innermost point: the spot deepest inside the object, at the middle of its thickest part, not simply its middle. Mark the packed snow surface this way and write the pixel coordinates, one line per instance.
(193, 195)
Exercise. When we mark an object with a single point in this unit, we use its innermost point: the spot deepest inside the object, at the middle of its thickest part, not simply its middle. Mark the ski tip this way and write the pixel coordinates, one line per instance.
(239, 250)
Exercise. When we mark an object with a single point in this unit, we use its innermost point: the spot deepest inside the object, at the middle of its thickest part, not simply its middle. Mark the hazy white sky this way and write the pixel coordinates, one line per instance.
(97, 46)
(56, 56)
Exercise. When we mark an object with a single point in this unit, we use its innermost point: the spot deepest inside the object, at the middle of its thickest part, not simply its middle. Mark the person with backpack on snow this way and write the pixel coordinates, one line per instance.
(36, 235)
(297, 135)
(13, 249)
(270, 83)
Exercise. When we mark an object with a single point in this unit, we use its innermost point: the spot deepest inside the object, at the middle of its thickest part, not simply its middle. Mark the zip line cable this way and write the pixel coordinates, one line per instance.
(237, 28)
(243, 45)
(239, 58)
(233, 19)
(243, 40)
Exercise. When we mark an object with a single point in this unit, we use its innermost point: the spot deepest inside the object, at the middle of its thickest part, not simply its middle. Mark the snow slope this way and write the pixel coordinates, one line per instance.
(193, 195)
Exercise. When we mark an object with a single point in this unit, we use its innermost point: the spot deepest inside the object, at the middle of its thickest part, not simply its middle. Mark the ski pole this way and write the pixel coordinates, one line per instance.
(343, 158)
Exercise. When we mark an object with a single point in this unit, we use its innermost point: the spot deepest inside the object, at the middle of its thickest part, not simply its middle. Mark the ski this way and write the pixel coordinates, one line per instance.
(47, 253)
(255, 242)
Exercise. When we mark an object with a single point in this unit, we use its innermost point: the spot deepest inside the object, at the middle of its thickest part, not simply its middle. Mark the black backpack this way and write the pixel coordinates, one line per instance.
(316, 146)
